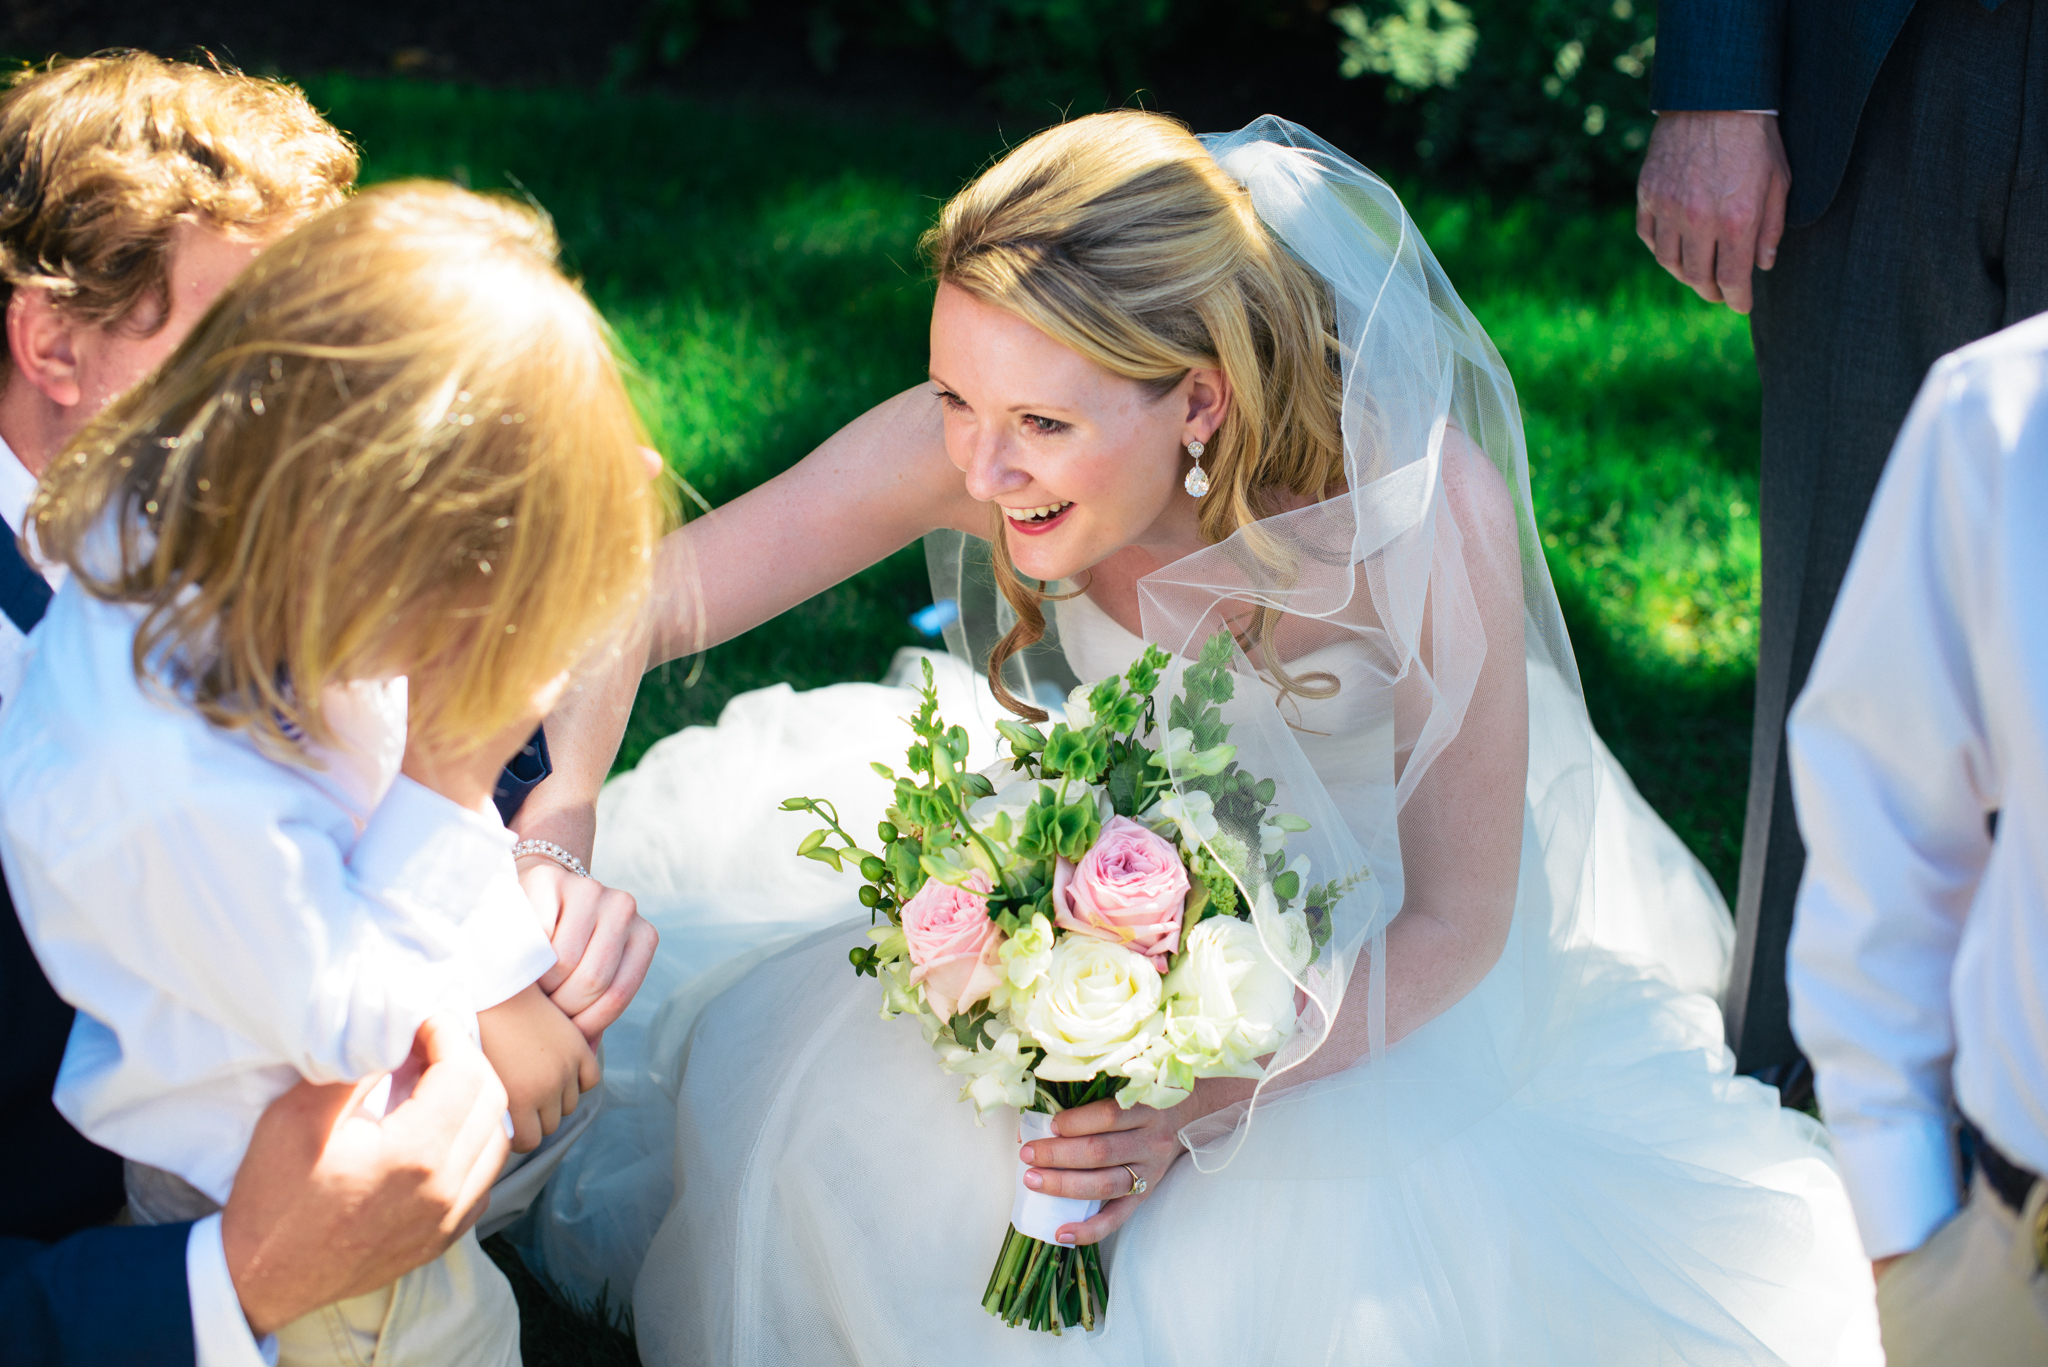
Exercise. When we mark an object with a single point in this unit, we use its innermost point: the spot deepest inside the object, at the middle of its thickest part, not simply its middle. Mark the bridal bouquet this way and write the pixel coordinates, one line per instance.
(1075, 927)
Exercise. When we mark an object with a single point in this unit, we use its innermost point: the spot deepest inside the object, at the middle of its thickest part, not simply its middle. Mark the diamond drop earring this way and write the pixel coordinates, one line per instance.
(1196, 483)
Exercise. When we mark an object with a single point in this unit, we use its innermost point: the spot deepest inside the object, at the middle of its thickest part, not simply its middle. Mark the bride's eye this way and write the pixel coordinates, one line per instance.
(1048, 426)
(948, 399)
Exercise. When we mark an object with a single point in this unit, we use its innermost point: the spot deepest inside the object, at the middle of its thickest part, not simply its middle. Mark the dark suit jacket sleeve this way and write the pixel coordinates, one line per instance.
(101, 1298)
(1718, 54)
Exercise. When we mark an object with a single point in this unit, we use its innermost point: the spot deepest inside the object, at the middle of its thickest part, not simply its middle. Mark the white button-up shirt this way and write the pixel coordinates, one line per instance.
(17, 487)
(226, 923)
(1919, 954)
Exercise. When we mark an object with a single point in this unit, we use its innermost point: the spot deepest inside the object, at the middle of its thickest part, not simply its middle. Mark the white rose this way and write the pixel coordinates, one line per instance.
(1097, 1008)
(999, 1075)
(1228, 1001)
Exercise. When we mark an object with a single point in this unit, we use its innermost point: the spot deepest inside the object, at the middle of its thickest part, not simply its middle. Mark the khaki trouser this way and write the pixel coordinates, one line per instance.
(457, 1311)
(1972, 1294)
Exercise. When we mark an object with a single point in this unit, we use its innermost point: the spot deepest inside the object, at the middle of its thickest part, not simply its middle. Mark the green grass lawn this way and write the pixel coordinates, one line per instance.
(759, 266)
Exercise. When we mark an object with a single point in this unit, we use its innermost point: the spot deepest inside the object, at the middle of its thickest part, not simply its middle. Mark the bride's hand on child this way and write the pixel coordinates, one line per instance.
(1086, 1161)
(602, 945)
(543, 1060)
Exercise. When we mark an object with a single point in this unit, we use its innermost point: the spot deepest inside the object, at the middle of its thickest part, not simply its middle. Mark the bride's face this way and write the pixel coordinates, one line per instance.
(1083, 463)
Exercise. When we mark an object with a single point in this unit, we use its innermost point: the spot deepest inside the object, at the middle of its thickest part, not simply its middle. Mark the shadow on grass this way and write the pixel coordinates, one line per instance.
(1683, 736)
(552, 1334)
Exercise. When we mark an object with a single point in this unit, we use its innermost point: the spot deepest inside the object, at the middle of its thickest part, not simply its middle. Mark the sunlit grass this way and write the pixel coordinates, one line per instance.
(760, 269)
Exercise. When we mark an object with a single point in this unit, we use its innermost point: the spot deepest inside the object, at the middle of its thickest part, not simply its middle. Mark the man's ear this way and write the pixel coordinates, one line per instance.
(42, 342)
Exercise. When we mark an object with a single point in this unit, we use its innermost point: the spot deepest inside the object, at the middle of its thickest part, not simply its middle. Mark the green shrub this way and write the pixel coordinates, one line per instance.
(1556, 91)
(1085, 53)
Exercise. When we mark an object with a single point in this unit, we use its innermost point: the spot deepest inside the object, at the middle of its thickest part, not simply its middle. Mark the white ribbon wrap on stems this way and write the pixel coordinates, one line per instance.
(1034, 1214)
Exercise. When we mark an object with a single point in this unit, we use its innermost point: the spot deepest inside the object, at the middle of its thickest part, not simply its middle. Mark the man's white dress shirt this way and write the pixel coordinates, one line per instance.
(228, 924)
(17, 487)
(1919, 954)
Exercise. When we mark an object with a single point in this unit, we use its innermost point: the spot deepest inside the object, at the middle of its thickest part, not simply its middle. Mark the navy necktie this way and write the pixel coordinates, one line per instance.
(24, 594)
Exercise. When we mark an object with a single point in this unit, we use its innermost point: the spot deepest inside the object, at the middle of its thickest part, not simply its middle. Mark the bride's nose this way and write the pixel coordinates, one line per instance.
(989, 472)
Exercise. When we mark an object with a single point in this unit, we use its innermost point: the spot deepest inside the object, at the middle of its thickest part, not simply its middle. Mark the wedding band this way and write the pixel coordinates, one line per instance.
(1137, 1182)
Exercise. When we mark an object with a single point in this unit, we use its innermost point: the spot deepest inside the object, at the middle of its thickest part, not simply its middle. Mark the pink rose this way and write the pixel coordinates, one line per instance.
(953, 944)
(1129, 889)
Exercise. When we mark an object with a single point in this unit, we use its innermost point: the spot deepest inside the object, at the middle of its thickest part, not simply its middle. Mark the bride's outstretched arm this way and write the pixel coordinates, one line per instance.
(1461, 848)
(877, 485)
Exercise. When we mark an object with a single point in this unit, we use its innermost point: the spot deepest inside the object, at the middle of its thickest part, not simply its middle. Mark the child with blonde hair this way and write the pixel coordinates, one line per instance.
(328, 569)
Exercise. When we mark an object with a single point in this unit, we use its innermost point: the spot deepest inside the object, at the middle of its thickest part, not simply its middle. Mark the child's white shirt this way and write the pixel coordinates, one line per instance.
(227, 923)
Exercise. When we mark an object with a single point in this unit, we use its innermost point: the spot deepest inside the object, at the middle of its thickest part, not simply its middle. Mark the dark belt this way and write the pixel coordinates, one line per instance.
(2012, 1182)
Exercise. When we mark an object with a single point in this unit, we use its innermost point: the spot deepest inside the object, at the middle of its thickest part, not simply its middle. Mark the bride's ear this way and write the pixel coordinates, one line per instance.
(1208, 394)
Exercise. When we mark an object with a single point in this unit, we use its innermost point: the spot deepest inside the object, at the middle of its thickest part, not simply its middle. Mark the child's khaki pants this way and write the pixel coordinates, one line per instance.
(1972, 1294)
(457, 1311)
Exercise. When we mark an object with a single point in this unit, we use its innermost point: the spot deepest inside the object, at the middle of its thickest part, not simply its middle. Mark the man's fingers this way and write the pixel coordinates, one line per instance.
(1774, 224)
(1696, 262)
(1734, 257)
(457, 1084)
(1667, 239)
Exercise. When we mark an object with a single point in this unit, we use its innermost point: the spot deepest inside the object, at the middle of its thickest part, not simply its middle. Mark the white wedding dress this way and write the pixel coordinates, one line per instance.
(1634, 1203)
(1559, 1169)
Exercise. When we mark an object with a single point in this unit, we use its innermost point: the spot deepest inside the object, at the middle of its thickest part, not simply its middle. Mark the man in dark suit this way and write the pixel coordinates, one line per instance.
(1864, 178)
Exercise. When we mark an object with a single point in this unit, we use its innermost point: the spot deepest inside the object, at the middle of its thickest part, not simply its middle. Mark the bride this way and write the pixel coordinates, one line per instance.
(1180, 385)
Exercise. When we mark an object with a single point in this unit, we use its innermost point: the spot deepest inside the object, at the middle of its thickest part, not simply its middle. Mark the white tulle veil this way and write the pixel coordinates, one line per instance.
(1377, 576)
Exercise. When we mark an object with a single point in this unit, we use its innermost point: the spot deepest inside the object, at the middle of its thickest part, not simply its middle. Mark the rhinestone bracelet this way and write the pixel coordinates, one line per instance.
(548, 849)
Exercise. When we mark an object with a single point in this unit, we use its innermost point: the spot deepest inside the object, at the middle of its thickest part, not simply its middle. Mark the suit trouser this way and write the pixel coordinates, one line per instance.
(1938, 236)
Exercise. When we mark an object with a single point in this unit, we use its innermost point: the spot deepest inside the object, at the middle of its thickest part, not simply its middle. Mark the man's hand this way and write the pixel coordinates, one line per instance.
(1711, 200)
(328, 1204)
(602, 945)
(543, 1060)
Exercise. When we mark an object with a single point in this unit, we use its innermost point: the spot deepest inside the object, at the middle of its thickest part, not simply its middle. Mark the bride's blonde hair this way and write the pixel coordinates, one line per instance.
(1119, 236)
(398, 441)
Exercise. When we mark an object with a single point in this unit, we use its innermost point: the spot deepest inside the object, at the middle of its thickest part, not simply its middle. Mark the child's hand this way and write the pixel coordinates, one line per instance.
(543, 1060)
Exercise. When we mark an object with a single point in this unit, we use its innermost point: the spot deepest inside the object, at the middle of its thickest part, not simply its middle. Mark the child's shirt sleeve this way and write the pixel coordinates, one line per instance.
(259, 918)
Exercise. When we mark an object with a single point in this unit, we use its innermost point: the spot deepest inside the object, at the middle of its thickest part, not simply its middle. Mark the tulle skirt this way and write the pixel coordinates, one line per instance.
(781, 1177)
